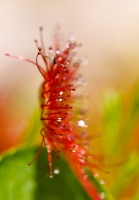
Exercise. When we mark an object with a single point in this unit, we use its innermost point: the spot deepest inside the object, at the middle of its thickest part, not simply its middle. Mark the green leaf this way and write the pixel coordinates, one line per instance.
(131, 119)
(20, 181)
(127, 175)
(33, 128)
(111, 119)
(101, 188)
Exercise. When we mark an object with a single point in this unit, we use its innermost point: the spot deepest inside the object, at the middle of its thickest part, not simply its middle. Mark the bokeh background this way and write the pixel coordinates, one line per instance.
(109, 31)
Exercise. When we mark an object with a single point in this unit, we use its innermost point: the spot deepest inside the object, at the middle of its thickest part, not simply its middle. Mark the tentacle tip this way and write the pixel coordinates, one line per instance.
(51, 175)
(36, 41)
(58, 150)
(6, 54)
(41, 28)
(29, 164)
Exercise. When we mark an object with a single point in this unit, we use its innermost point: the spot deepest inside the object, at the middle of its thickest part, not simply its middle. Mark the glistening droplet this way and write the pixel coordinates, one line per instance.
(56, 171)
(71, 37)
(102, 195)
(51, 175)
(84, 60)
(102, 181)
(57, 51)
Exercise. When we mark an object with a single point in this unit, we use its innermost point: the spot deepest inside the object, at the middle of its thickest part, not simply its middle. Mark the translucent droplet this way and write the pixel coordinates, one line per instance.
(60, 99)
(81, 123)
(56, 171)
(73, 55)
(96, 174)
(102, 181)
(71, 37)
(89, 157)
(67, 44)
(67, 63)
(44, 115)
(72, 91)
(57, 51)
(61, 93)
(102, 195)
(86, 144)
(85, 176)
(76, 65)
(82, 82)
(70, 137)
(84, 60)
(60, 59)
(50, 50)
(83, 134)
(59, 119)
(51, 175)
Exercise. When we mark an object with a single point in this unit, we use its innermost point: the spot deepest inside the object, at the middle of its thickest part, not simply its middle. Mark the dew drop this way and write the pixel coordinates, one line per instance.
(71, 37)
(57, 51)
(60, 99)
(85, 177)
(96, 175)
(61, 93)
(76, 64)
(50, 50)
(82, 82)
(67, 63)
(70, 137)
(51, 175)
(59, 119)
(102, 181)
(56, 171)
(89, 157)
(67, 44)
(60, 59)
(86, 144)
(84, 60)
(81, 123)
(102, 195)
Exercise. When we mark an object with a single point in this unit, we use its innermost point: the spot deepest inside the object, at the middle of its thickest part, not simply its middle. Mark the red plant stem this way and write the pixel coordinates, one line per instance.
(82, 177)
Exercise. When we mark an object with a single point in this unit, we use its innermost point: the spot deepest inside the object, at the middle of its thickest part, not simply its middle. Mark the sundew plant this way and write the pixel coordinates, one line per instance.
(63, 166)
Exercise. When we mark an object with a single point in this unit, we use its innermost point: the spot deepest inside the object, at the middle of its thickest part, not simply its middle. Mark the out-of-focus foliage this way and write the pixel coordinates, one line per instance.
(120, 126)
(20, 181)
